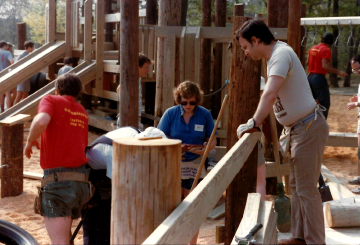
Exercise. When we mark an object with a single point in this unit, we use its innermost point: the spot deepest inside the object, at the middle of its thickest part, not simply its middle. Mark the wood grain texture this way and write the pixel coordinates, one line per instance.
(146, 187)
(294, 27)
(342, 214)
(180, 226)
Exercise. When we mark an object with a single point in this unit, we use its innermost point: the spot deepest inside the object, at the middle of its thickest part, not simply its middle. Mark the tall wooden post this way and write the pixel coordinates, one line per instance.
(294, 27)
(109, 27)
(278, 12)
(129, 63)
(205, 60)
(220, 21)
(169, 15)
(100, 38)
(68, 14)
(244, 95)
(146, 186)
(21, 35)
(51, 31)
(151, 12)
(303, 49)
(12, 160)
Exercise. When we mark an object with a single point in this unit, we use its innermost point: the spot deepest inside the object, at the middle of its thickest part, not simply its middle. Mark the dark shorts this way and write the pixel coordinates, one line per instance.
(187, 183)
(64, 198)
(320, 90)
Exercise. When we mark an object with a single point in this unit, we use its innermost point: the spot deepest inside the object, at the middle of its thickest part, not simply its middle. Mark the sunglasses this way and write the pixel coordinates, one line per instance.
(188, 102)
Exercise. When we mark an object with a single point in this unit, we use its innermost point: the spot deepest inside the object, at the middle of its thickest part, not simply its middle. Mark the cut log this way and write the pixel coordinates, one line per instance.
(217, 213)
(220, 234)
(343, 214)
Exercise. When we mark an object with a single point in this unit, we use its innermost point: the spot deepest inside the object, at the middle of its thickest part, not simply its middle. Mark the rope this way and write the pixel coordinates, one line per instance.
(227, 82)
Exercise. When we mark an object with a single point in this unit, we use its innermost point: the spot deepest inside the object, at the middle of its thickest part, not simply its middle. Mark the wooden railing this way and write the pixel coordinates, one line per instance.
(181, 225)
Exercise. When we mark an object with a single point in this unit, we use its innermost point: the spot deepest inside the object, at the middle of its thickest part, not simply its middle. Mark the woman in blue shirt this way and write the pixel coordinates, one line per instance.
(193, 125)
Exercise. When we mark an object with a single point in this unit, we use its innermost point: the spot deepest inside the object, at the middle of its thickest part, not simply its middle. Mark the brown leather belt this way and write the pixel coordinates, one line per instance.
(63, 176)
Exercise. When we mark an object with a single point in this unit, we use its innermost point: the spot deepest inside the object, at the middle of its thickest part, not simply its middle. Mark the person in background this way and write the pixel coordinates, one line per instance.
(23, 88)
(68, 66)
(193, 125)
(319, 58)
(6, 59)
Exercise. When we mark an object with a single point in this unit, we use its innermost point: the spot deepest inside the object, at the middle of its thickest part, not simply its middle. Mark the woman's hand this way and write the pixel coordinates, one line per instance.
(185, 148)
(202, 151)
(351, 105)
(354, 99)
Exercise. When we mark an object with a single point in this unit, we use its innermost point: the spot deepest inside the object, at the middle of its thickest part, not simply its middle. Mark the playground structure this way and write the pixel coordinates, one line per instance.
(99, 69)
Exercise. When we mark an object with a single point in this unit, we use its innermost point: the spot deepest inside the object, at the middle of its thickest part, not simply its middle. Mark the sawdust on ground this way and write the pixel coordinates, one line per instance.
(341, 161)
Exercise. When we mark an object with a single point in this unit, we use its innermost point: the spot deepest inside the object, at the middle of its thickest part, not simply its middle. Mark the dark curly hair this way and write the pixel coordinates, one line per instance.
(188, 90)
(69, 84)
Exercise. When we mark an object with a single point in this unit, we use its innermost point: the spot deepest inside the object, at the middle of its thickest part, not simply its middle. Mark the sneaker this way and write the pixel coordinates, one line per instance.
(355, 181)
(291, 241)
(356, 190)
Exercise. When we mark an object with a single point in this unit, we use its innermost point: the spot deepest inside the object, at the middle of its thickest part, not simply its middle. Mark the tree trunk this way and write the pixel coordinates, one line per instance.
(21, 35)
(334, 57)
(205, 60)
(151, 12)
(294, 28)
(220, 21)
(244, 89)
(129, 63)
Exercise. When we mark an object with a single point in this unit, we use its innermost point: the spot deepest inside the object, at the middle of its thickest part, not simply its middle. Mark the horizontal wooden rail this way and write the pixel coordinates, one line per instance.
(181, 225)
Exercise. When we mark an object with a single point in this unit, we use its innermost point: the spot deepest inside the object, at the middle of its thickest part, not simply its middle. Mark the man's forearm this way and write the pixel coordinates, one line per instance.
(36, 129)
(331, 69)
(263, 109)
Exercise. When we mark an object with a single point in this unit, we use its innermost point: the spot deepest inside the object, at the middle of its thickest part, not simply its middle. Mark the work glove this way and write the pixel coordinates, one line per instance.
(249, 127)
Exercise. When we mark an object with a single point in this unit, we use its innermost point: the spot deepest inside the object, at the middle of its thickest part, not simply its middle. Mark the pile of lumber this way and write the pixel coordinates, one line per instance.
(343, 213)
(257, 211)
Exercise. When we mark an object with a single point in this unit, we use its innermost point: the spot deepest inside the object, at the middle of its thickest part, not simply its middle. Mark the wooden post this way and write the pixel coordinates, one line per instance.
(220, 21)
(100, 38)
(294, 27)
(109, 27)
(51, 28)
(277, 12)
(146, 186)
(12, 161)
(303, 49)
(169, 15)
(244, 93)
(239, 10)
(88, 30)
(68, 36)
(151, 12)
(205, 60)
(129, 63)
(21, 35)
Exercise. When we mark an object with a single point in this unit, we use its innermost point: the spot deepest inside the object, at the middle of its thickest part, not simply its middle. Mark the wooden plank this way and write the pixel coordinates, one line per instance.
(338, 191)
(111, 66)
(169, 72)
(105, 94)
(85, 71)
(151, 52)
(250, 216)
(267, 217)
(99, 122)
(189, 71)
(220, 234)
(100, 39)
(176, 228)
(226, 58)
(51, 28)
(271, 169)
(68, 34)
(197, 55)
(31, 175)
(20, 118)
(77, 25)
(217, 213)
(88, 30)
(182, 54)
(27, 69)
(145, 42)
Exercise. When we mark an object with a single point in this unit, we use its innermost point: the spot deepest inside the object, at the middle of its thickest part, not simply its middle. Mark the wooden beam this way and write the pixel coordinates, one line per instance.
(338, 191)
(108, 26)
(99, 122)
(29, 67)
(220, 234)
(294, 28)
(176, 228)
(31, 175)
(342, 139)
(271, 169)
(21, 35)
(151, 12)
(51, 28)
(244, 89)
(10, 121)
(169, 72)
(88, 30)
(217, 213)
(68, 23)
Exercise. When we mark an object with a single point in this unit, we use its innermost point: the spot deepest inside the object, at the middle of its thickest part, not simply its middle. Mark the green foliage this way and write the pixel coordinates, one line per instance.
(34, 17)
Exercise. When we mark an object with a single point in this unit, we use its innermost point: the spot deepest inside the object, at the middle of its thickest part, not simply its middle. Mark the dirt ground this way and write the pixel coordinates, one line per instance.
(341, 161)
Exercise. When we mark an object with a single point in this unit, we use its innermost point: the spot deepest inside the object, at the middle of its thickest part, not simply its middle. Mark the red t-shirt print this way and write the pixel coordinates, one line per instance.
(316, 55)
(66, 136)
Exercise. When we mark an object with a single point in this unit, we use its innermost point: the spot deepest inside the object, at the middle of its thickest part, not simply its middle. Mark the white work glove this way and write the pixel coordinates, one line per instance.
(249, 127)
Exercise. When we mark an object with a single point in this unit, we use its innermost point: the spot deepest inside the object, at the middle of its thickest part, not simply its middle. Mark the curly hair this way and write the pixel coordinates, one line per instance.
(187, 90)
(69, 84)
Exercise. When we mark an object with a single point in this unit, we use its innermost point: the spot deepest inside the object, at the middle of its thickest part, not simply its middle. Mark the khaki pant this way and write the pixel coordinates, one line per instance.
(307, 147)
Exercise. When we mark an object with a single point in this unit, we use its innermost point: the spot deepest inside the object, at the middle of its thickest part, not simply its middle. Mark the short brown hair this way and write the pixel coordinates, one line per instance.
(188, 90)
(143, 59)
(28, 44)
(69, 84)
(255, 28)
(68, 61)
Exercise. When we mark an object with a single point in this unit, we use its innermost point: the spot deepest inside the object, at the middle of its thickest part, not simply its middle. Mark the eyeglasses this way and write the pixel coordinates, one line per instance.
(188, 102)
(357, 70)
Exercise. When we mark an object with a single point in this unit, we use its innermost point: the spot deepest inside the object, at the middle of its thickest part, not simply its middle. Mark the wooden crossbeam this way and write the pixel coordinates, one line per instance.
(20, 118)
